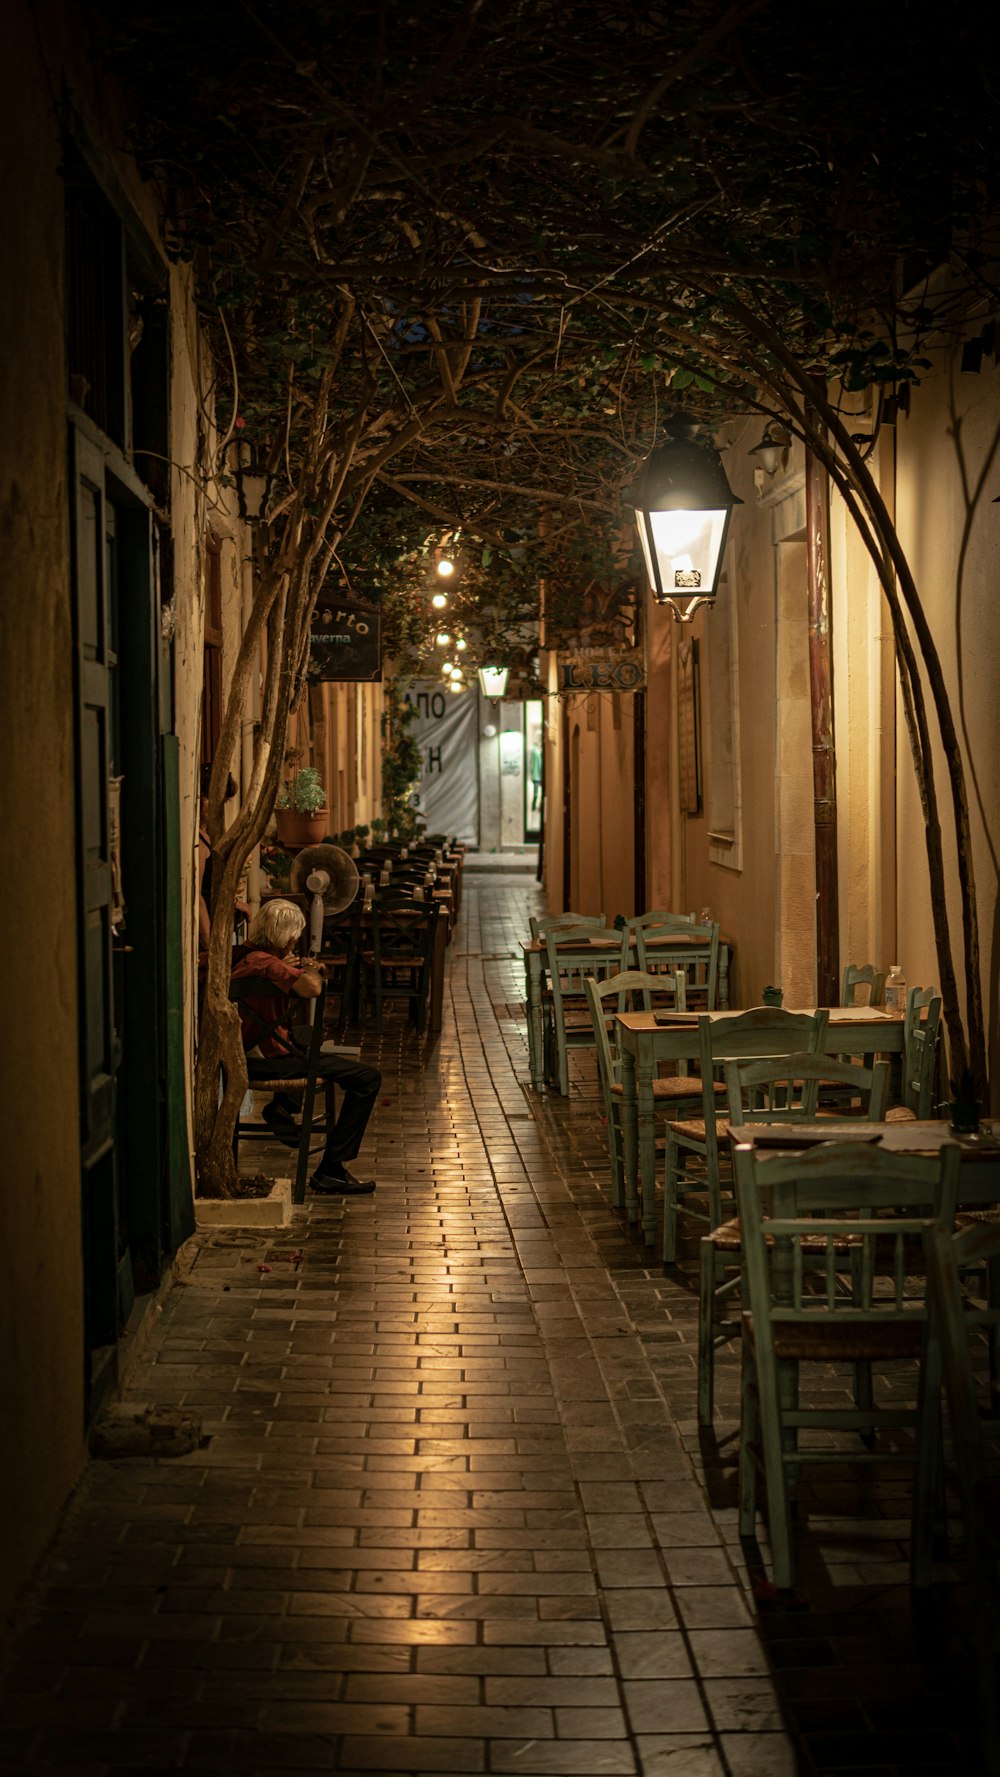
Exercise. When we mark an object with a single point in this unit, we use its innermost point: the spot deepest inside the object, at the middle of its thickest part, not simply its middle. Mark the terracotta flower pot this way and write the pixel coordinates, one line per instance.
(296, 829)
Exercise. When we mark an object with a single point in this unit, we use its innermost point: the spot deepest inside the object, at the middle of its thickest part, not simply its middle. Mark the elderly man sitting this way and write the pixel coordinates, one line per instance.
(268, 951)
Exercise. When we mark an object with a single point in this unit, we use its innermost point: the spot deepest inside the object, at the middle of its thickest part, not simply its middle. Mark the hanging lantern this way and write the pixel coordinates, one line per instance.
(683, 504)
(493, 681)
(772, 450)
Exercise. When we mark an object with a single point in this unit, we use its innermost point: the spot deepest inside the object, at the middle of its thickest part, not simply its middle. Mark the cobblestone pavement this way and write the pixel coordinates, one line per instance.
(450, 1512)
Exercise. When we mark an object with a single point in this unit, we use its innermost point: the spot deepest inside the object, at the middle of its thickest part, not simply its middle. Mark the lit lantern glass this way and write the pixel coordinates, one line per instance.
(683, 504)
(493, 680)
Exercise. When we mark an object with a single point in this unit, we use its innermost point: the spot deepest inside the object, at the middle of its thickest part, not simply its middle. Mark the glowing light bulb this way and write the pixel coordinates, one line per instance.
(442, 638)
(439, 601)
(446, 567)
(461, 644)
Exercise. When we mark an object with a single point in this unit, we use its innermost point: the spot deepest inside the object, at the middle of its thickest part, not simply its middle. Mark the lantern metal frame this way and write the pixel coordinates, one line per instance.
(683, 475)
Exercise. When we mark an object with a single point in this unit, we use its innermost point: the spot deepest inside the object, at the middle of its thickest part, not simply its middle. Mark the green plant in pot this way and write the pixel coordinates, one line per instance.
(300, 811)
(965, 1104)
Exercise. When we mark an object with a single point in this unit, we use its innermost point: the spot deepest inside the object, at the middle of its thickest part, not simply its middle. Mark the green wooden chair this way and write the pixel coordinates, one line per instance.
(795, 1213)
(670, 1095)
(569, 1025)
(921, 1023)
(702, 970)
(857, 977)
(696, 1162)
(771, 1091)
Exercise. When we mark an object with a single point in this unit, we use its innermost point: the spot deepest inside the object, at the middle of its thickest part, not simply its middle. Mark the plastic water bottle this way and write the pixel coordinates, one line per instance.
(895, 990)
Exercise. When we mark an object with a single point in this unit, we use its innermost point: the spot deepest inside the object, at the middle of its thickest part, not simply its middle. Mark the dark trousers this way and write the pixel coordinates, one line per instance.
(359, 1085)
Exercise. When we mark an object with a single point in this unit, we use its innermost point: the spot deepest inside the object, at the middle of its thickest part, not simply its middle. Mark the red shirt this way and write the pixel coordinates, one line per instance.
(281, 974)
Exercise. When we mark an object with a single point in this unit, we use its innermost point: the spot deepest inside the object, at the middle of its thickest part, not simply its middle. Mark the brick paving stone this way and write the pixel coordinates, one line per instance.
(454, 1512)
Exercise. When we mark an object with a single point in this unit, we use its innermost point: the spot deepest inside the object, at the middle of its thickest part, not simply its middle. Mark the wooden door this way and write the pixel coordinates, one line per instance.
(100, 1049)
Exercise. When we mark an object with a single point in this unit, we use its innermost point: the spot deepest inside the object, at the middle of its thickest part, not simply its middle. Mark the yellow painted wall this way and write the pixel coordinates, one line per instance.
(955, 413)
(599, 731)
(41, 1304)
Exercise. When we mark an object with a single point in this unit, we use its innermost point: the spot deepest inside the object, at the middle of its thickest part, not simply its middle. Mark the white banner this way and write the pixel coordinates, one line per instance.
(446, 732)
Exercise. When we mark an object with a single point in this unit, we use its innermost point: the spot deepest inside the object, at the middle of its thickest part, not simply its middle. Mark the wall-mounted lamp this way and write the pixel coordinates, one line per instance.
(772, 451)
(493, 681)
(252, 487)
(683, 504)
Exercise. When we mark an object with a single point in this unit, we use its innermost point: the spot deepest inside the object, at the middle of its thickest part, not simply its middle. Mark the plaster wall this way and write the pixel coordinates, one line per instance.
(41, 1304)
(766, 904)
(953, 545)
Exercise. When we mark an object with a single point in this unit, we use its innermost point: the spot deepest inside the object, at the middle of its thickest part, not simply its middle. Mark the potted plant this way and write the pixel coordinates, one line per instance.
(300, 811)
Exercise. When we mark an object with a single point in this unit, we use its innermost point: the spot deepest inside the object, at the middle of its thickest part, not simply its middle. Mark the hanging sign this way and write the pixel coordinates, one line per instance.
(446, 732)
(610, 672)
(345, 644)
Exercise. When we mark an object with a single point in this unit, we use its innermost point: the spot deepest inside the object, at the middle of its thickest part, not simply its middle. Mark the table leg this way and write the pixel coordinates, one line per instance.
(645, 1070)
(629, 1129)
(435, 1015)
(533, 997)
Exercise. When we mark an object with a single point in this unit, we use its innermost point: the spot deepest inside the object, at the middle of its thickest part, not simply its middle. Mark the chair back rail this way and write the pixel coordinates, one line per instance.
(786, 1090)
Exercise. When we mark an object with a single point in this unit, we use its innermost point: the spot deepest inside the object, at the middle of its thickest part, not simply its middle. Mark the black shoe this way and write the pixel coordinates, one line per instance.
(337, 1181)
(279, 1119)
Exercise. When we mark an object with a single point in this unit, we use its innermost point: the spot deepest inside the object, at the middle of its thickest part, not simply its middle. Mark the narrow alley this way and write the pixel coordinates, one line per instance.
(449, 1512)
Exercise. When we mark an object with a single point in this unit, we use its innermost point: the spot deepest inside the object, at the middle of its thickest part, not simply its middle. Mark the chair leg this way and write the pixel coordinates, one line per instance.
(670, 1192)
(779, 1516)
(929, 1469)
(305, 1134)
(706, 1332)
(615, 1142)
(749, 1440)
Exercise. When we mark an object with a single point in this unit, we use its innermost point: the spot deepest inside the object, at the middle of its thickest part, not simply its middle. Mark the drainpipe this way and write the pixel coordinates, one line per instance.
(823, 751)
(251, 717)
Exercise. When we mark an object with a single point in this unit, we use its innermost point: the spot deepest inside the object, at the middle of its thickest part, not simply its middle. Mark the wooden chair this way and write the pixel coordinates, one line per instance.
(703, 968)
(669, 1095)
(769, 1091)
(341, 956)
(920, 1049)
(861, 984)
(569, 1025)
(794, 1213)
(952, 1252)
(262, 1077)
(398, 956)
(740, 1036)
(858, 976)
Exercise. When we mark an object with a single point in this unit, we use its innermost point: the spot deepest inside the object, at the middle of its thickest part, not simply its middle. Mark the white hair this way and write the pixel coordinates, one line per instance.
(276, 926)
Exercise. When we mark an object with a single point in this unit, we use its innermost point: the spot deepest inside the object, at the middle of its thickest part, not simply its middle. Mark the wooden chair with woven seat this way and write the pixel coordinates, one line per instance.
(670, 1095)
(340, 954)
(861, 984)
(769, 1091)
(704, 1140)
(250, 993)
(702, 969)
(398, 956)
(564, 1001)
(795, 1211)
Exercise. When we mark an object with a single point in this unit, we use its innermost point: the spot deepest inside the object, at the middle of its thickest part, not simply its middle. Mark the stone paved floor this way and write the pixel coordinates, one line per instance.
(451, 1513)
